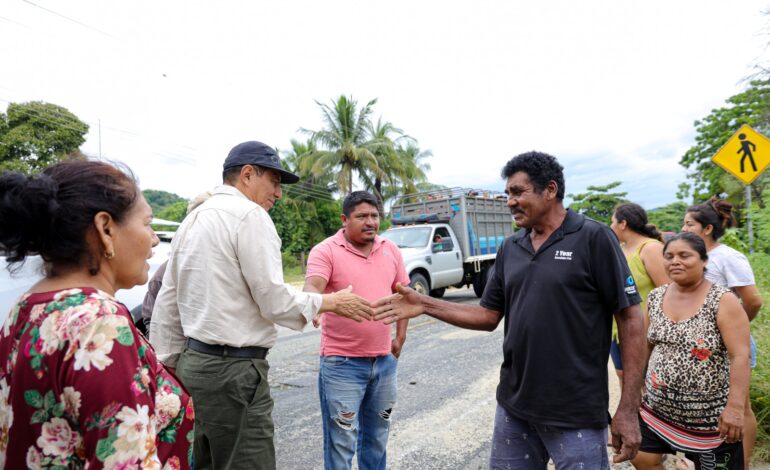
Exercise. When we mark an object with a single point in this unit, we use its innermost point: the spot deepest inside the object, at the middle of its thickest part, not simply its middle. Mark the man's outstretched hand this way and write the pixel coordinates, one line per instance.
(349, 305)
(402, 305)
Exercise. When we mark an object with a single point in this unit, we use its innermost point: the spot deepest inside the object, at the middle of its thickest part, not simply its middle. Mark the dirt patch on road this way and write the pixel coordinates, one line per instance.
(455, 429)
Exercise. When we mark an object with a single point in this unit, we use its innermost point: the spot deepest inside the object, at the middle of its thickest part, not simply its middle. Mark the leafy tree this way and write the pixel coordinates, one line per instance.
(597, 202)
(761, 222)
(307, 212)
(345, 143)
(159, 200)
(176, 211)
(303, 225)
(684, 191)
(669, 217)
(751, 107)
(35, 134)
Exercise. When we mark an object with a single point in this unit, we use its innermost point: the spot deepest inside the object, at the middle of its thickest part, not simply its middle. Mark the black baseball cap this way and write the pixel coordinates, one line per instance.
(257, 153)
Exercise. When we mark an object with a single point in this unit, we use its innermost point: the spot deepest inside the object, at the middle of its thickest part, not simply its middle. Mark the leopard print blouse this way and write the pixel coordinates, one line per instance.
(688, 375)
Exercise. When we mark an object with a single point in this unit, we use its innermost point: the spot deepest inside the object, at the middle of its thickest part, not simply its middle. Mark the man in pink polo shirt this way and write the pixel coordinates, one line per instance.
(357, 378)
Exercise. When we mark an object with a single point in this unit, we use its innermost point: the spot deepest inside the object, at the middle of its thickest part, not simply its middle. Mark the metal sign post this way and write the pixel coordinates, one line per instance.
(749, 222)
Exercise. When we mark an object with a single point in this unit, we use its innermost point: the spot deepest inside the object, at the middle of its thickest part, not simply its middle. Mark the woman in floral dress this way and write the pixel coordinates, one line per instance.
(79, 386)
(698, 372)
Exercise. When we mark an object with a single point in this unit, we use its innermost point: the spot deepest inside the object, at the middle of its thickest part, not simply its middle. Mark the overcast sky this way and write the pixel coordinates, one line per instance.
(611, 88)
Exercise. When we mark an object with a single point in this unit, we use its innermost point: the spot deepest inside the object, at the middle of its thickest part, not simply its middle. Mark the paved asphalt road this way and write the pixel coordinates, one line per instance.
(446, 398)
(446, 388)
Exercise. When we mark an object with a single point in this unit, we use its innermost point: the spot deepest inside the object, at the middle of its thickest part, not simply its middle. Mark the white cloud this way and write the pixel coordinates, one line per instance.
(610, 87)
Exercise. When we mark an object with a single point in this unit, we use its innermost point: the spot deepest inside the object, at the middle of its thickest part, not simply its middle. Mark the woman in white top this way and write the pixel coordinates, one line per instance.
(730, 268)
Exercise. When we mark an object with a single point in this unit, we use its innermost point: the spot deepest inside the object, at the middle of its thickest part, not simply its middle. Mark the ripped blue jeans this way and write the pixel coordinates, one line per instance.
(357, 399)
(519, 444)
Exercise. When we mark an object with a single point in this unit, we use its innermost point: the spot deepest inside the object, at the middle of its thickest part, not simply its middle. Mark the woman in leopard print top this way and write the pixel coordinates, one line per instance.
(698, 374)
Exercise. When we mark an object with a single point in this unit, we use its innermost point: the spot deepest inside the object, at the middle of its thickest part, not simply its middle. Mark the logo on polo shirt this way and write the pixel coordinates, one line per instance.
(630, 287)
(565, 255)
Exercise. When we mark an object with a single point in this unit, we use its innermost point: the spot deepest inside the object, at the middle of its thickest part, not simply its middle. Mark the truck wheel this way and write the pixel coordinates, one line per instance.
(438, 293)
(419, 283)
(480, 281)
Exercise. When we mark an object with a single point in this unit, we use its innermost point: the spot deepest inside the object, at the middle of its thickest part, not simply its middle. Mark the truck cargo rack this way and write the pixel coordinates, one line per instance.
(480, 218)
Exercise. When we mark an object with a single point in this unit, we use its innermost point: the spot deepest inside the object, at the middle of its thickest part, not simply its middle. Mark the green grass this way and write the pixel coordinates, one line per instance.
(293, 274)
(760, 377)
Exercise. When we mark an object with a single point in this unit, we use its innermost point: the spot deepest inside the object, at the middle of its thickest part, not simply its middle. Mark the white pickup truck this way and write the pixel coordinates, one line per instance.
(449, 237)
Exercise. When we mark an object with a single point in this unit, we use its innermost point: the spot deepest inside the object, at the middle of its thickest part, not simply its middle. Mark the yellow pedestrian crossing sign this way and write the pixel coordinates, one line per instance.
(745, 155)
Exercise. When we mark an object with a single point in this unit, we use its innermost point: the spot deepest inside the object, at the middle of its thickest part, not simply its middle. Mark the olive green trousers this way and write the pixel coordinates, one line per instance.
(233, 406)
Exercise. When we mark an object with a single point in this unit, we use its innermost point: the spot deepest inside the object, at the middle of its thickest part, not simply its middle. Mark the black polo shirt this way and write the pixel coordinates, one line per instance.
(558, 305)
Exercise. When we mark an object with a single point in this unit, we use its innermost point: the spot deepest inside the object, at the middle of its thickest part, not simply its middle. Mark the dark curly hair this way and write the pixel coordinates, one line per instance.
(541, 169)
(715, 212)
(50, 214)
(635, 218)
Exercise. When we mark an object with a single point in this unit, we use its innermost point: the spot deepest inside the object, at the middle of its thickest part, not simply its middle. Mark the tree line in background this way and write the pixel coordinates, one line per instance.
(751, 107)
(35, 135)
(352, 149)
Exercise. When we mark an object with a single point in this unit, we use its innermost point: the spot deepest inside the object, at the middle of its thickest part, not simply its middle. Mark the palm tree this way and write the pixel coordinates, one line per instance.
(410, 170)
(382, 134)
(304, 200)
(346, 141)
(294, 160)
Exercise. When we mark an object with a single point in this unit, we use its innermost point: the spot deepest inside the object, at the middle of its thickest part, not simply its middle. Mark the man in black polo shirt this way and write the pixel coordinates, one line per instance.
(557, 283)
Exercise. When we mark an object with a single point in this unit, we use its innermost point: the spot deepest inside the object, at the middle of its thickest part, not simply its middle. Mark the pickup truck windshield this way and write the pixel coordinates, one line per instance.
(416, 237)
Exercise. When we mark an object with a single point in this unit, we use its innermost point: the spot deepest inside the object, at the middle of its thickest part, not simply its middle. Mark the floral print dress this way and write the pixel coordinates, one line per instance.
(81, 388)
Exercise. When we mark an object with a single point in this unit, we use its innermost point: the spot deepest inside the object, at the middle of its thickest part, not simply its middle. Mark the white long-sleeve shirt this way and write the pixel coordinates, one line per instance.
(224, 281)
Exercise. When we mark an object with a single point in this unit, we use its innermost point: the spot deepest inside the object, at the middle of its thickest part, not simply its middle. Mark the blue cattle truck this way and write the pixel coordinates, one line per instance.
(449, 237)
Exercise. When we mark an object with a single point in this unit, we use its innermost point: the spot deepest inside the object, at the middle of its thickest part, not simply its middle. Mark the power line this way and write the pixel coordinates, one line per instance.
(63, 121)
(16, 23)
(35, 114)
(304, 189)
(296, 192)
(325, 192)
(69, 19)
(50, 114)
(317, 188)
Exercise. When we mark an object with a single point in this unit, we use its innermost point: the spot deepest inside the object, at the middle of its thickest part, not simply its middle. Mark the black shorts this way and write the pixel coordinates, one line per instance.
(727, 456)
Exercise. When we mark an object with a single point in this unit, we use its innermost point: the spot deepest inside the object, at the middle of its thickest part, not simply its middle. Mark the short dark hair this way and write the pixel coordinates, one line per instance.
(715, 212)
(635, 218)
(541, 169)
(695, 242)
(230, 175)
(355, 198)
(50, 214)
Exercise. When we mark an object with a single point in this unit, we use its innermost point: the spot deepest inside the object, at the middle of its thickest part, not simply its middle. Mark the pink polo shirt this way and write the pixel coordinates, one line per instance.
(372, 278)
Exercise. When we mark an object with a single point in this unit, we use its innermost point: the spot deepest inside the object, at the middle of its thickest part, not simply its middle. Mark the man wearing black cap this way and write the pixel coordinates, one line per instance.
(223, 293)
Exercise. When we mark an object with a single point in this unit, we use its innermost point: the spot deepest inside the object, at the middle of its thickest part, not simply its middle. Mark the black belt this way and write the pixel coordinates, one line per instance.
(248, 352)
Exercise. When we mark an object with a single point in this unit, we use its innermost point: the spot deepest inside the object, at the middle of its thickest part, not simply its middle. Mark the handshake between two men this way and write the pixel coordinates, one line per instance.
(402, 305)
